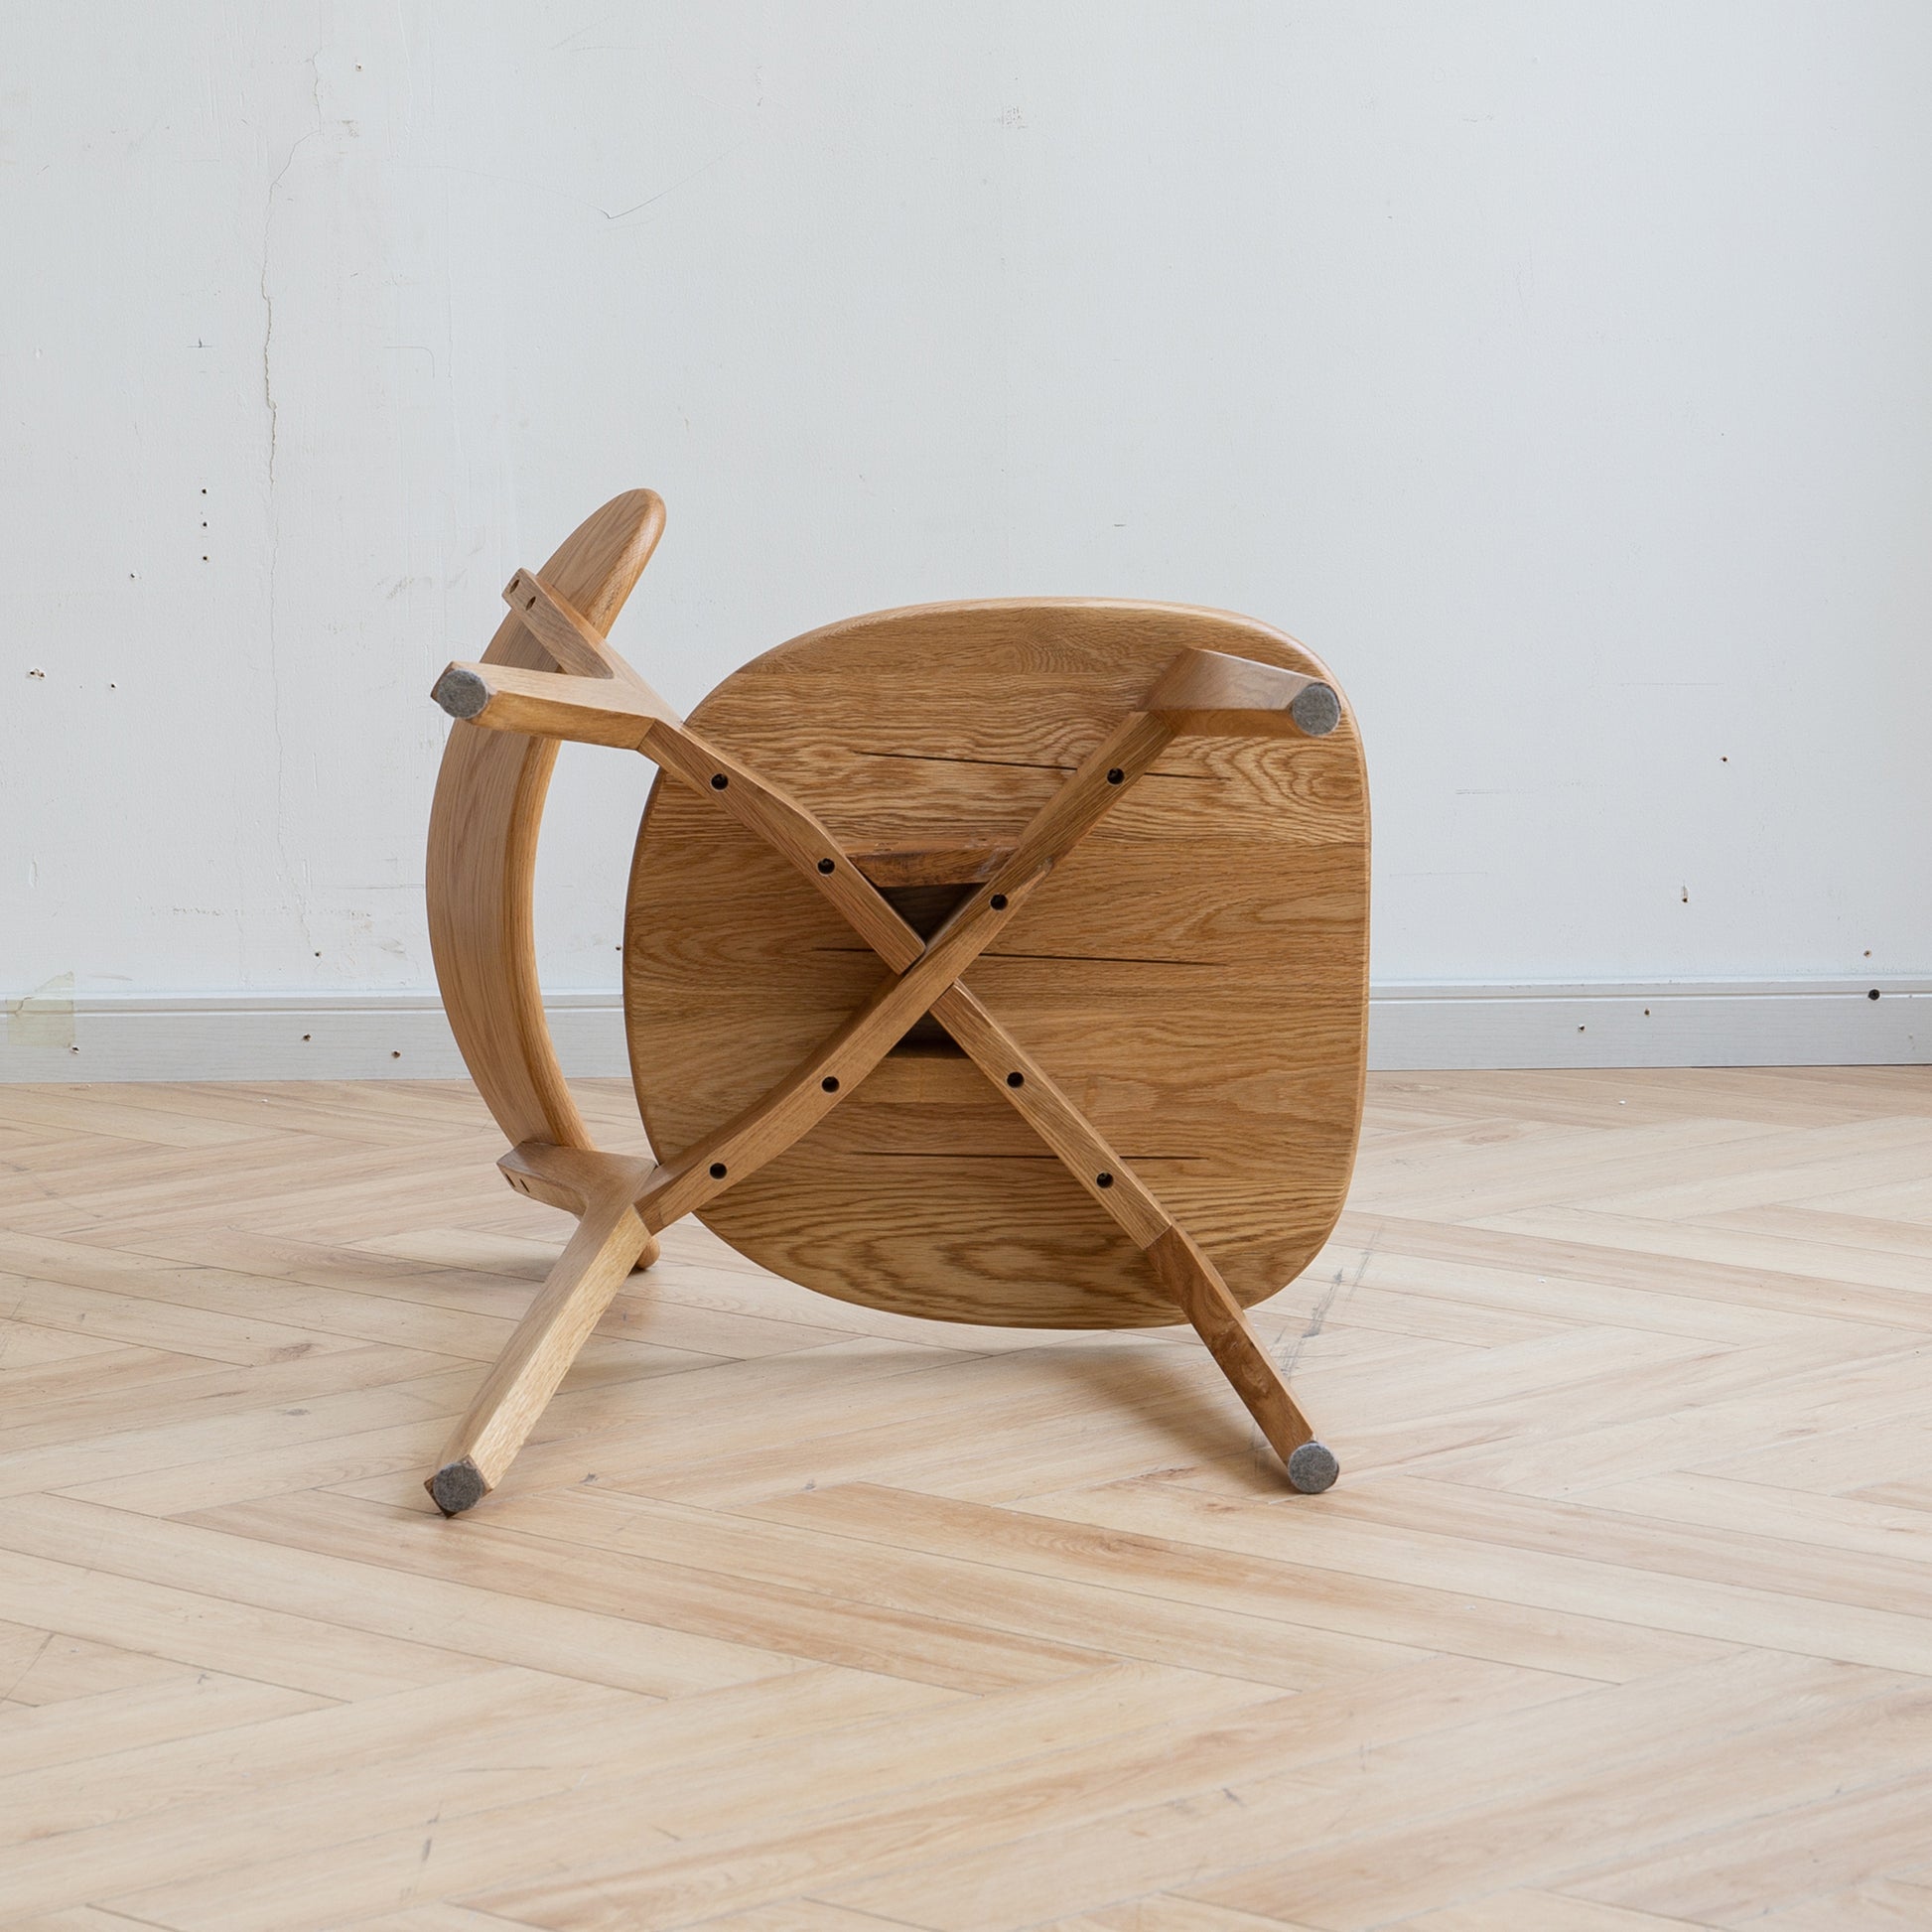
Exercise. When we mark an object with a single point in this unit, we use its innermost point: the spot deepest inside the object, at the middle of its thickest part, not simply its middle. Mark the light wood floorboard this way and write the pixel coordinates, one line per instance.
(798, 1617)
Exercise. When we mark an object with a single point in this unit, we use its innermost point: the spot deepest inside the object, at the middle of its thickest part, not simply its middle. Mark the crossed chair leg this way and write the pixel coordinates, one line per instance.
(623, 1204)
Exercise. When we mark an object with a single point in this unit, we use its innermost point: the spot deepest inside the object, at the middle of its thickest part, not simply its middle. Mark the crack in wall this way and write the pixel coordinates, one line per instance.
(289, 867)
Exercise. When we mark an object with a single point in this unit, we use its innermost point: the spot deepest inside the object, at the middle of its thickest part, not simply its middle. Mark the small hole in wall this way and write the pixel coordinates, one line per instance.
(396, 1055)
(308, 1035)
(1581, 1029)
(1873, 995)
(1646, 1012)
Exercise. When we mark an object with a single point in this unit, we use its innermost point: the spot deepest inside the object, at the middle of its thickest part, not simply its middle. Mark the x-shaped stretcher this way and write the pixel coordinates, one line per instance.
(596, 698)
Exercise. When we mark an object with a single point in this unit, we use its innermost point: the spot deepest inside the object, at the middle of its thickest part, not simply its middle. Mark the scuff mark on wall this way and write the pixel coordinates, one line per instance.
(44, 1017)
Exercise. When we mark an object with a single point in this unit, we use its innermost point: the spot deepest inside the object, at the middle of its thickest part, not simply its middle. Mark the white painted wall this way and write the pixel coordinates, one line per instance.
(1560, 372)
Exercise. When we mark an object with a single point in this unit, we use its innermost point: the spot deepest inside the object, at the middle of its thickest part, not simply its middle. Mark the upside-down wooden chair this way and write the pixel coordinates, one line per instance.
(999, 962)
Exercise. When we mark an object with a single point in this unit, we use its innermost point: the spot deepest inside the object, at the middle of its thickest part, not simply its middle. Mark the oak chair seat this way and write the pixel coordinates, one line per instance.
(994, 962)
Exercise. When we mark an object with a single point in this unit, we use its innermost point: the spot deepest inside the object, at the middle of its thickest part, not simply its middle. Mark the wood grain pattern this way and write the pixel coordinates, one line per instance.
(909, 1010)
(1183, 962)
(794, 1613)
(1220, 1322)
(591, 710)
(954, 894)
(483, 836)
(1209, 693)
(610, 1240)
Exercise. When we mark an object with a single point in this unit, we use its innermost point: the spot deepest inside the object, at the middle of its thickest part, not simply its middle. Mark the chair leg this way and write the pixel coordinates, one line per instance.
(1204, 1298)
(610, 1240)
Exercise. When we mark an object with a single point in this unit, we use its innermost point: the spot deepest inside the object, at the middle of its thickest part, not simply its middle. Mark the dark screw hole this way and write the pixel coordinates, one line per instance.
(825, 865)
(718, 781)
(1016, 1079)
(830, 1083)
(1103, 1181)
(718, 1171)
(998, 901)
(1116, 776)
(1873, 995)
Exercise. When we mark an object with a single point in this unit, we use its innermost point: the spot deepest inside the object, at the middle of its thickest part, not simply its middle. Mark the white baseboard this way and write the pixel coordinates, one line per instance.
(275, 1036)
(1685, 1023)
(48, 1037)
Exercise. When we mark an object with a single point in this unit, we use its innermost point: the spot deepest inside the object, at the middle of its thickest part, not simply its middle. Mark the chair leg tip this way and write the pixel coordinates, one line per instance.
(457, 1486)
(1312, 1468)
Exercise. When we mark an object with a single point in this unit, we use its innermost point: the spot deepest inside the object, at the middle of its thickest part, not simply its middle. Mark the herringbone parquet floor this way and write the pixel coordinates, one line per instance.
(796, 1616)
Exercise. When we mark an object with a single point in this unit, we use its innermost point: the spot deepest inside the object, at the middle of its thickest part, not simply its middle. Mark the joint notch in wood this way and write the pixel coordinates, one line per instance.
(559, 627)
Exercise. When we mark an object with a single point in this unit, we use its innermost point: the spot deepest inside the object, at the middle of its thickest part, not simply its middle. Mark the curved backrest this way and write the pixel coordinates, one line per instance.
(482, 841)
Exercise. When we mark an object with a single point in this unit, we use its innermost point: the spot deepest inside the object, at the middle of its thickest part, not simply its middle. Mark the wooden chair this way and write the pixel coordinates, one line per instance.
(998, 962)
